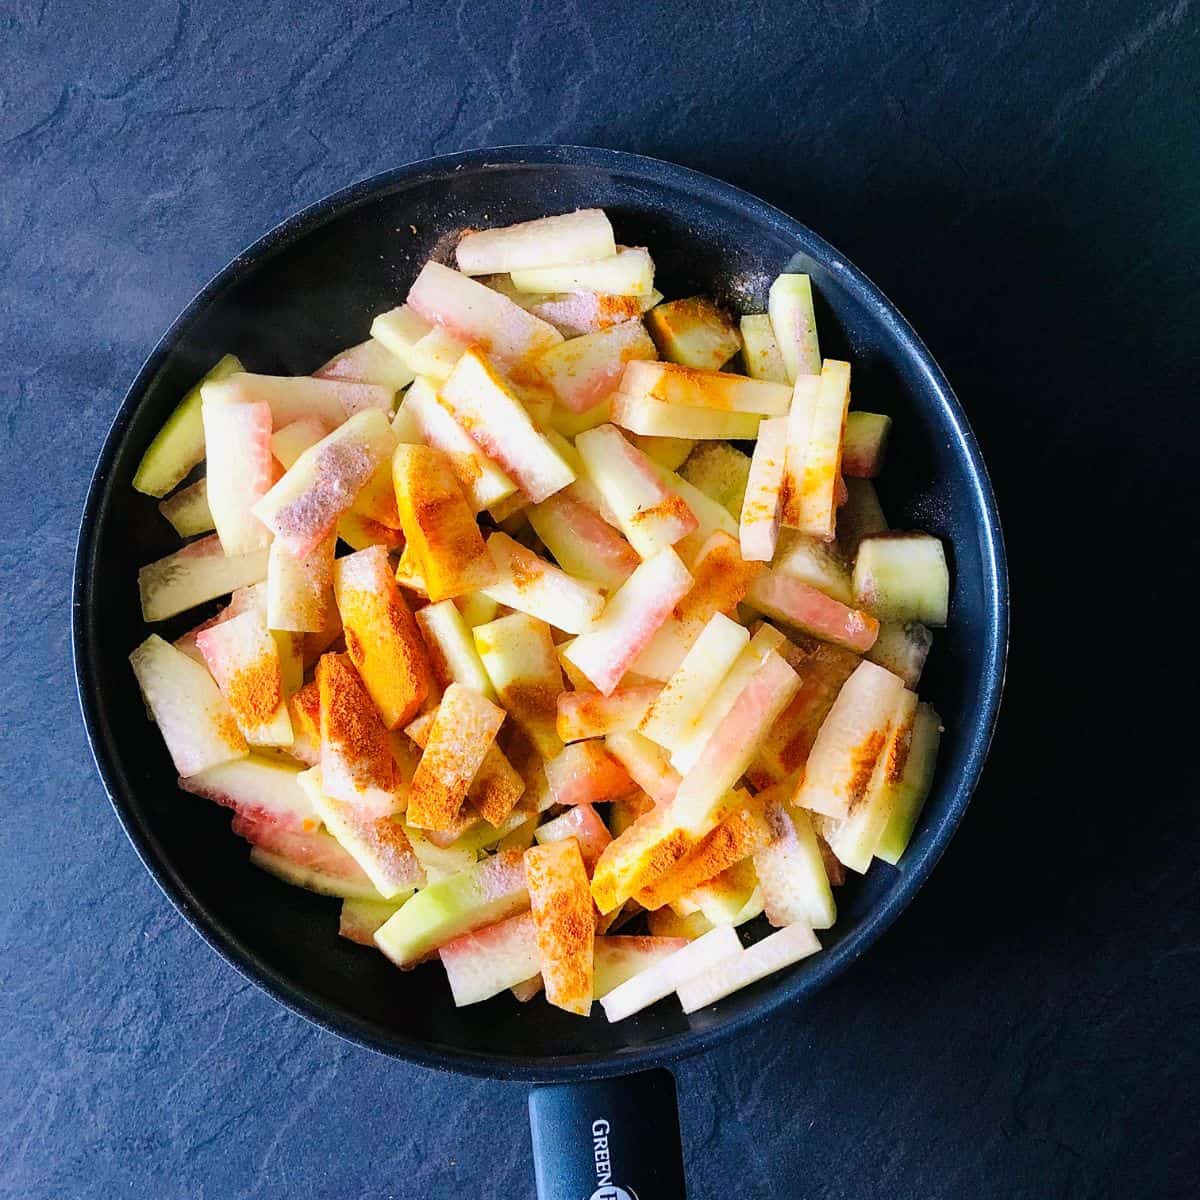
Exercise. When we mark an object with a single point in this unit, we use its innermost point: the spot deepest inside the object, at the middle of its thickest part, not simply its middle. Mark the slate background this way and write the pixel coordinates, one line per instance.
(1022, 178)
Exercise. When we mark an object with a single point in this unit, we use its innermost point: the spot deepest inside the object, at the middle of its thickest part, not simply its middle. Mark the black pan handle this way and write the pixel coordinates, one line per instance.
(610, 1139)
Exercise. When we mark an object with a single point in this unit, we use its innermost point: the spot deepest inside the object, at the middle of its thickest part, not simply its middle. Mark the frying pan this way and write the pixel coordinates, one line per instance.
(309, 287)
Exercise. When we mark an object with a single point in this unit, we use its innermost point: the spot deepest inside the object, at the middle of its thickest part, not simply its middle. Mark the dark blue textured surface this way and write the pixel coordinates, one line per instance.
(1023, 180)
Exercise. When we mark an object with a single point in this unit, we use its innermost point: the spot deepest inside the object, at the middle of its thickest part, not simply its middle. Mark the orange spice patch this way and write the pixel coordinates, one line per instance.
(564, 921)
(862, 765)
(587, 713)
(524, 572)
(613, 310)
(254, 692)
(496, 788)
(458, 740)
(439, 525)
(742, 833)
(721, 579)
(305, 709)
(897, 752)
(382, 638)
(350, 724)
(671, 507)
(228, 731)
(534, 706)
(789, 501)
(645, 852)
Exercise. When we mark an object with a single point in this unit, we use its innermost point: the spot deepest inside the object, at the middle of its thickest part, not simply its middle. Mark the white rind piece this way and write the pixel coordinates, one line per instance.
(799, 432)
(856, 839)
(648, 512)
(561, 240)
(721, 700)
(791, 872)
(823, 460)
(304, 505)
(379, 845)
(294, 396)
(482, 963)
(194, 575)
(240, 470)
(670, 973)
(492, 415)
(776, 951)
(632, 616)
(678, 706)
(629, 271)
(193, 717)
(731, 748)
(300, 590)
(483, 482)
(312, 879)
(188, 511)
(583, 371)
(529, 584)
(760, 350)
(258, 787)
(368, 362)
(790, 307)
(759, 529)
(477, 315)
(651, 417)
(713, 391)
(849, 741)
(288, 443)
(452, 653)
(243, 658)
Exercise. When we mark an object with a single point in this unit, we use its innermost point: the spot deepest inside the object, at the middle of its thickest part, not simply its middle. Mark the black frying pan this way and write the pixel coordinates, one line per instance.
(284, 306)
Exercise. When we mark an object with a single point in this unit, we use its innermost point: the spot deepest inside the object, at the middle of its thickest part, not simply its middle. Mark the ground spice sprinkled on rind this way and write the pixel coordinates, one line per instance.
(382, 638)
(862, 765)
(457, 742)
(822, 672)
(496, 788)
(227, 730)
(589, 714)
(898, 750)
(739, 835)
(561, 902)
(351, 728)
(671, 508)
(380, 843)
(439, 525)
(534, 706)
(255, 692)
(577, 313)
(243, 658)
(645, 852)
(721, 578)
(525, 571)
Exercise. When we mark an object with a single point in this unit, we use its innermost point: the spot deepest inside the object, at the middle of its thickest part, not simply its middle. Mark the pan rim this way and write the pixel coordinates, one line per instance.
(826, 966)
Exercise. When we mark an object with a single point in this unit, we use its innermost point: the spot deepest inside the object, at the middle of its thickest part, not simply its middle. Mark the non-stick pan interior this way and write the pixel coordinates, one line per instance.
(311, 288)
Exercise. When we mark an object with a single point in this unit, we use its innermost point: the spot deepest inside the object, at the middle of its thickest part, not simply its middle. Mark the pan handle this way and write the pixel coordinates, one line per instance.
(608, 1139)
